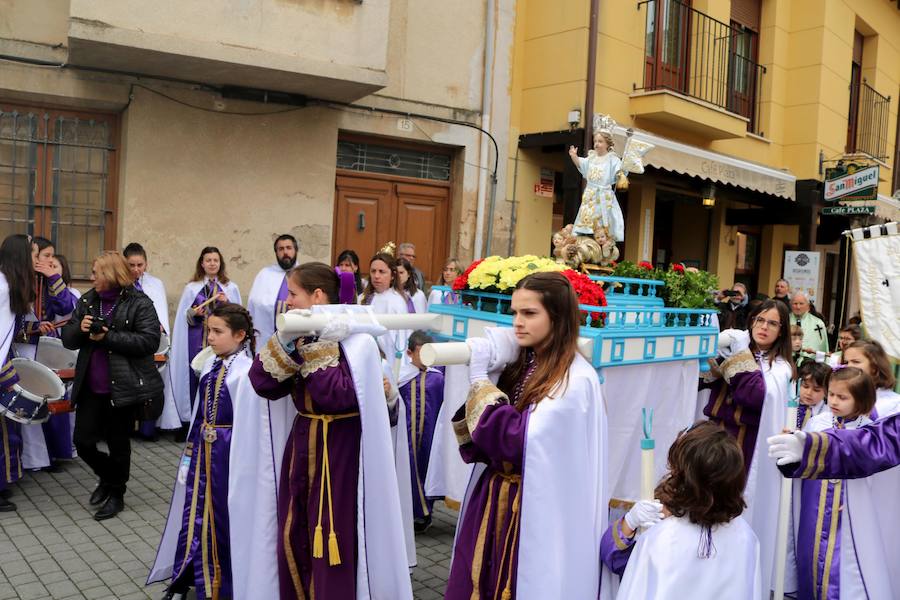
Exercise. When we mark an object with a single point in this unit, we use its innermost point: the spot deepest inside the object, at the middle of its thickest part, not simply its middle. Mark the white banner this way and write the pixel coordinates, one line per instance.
(801, 269)
(877, 252)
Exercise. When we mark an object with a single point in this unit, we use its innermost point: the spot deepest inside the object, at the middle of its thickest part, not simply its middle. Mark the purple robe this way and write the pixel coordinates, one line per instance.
(327, 391)
(486, 551)
(422, 398)
(203, 557)
(197, 330)
(10, 433)
(615, 547)
(53, 300)
(280, 301)
(736, 401)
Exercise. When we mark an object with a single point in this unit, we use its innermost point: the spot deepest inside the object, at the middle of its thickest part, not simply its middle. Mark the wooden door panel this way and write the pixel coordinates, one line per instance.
(422, 220)
(363, 216)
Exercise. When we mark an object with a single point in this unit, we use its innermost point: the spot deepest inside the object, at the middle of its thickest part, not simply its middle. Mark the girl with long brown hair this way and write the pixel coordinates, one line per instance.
(531, 523)
(209, 287)
(749, 392)
(385, 295)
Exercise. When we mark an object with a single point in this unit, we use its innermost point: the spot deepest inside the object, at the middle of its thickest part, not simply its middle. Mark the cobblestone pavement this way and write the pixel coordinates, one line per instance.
(52, 547)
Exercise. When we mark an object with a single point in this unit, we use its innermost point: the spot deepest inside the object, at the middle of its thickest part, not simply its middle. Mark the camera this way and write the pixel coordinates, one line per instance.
(97, 325)
(730, 293)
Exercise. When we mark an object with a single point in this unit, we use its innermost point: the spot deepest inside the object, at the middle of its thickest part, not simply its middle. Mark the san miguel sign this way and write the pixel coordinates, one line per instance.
(851, 182)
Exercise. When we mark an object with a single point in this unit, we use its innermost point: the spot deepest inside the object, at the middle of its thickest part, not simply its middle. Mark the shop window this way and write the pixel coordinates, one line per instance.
(56, 169)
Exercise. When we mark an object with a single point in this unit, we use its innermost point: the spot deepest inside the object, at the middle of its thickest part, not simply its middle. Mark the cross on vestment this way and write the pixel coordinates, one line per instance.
(886, 283)
(819, 330)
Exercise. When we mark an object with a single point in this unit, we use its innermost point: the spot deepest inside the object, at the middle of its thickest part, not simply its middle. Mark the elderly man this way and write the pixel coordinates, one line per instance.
(407, 250)
(782, 292)
(269, 292)
(815, 336)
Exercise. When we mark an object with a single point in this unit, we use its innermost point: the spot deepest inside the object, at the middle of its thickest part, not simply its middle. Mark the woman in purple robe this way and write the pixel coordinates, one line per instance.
(422, 396)
(209, 287)
(203, 553)
(738, 385)
(498, 522)
(16, 296)
(317, 511)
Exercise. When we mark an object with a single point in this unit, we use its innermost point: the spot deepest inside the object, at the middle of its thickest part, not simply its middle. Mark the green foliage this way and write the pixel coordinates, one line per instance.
(683, 288)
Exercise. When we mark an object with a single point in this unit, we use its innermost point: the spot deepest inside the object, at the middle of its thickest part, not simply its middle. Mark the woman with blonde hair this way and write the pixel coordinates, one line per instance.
(116, 331)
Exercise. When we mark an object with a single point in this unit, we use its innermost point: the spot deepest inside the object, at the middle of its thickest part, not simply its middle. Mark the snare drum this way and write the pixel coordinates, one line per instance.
(51, 353)
(27, 402)
(162, 353)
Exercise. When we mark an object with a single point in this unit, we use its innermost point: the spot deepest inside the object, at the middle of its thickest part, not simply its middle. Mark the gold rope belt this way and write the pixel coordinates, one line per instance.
(334, 555)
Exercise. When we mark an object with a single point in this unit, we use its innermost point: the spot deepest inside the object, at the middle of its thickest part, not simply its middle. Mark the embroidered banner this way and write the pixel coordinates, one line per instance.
(877, 252)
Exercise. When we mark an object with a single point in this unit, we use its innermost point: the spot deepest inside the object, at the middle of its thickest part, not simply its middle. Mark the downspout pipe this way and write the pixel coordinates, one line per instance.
(483, 158)
(593, 32)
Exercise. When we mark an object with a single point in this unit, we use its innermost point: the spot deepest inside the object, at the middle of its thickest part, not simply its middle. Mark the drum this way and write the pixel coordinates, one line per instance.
(162, 353)
(27, 402)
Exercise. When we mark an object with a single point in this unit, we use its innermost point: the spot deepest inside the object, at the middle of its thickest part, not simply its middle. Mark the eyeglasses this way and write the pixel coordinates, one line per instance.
(766, 323)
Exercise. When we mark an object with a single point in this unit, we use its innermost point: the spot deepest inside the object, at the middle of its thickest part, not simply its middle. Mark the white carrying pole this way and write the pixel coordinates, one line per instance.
(457, 353)
(648, 444)
(784, 511)
(301, 322)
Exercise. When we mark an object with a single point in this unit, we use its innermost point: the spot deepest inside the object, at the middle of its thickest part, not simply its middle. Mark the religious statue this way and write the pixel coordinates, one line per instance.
(609, 253)
(602, 168)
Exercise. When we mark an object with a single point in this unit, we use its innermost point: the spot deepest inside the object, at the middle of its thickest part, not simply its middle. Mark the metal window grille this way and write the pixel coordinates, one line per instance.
(871, 122)
(54, 177)
(373, 158)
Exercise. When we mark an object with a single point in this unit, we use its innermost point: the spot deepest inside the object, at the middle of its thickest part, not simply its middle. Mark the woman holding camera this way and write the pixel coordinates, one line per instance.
(116, 330)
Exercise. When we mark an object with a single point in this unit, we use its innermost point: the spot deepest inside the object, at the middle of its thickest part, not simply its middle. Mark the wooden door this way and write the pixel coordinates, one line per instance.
(422, 220)
(667, 45)
(373, 210)
(363, 215)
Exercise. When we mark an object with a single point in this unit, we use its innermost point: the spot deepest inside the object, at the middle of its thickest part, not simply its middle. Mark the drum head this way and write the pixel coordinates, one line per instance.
(163, 343)
(38, 381)
(52, 353)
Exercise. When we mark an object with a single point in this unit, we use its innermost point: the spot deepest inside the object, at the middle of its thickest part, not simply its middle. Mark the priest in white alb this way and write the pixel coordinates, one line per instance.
(269, 292)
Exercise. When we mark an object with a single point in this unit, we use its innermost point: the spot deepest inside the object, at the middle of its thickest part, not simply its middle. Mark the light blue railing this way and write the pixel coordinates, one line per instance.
(630, 291)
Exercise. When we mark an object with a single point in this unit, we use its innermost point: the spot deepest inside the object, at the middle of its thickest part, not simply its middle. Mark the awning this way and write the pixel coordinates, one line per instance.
(712, 166)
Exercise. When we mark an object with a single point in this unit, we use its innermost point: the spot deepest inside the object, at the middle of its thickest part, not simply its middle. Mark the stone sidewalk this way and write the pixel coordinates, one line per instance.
(52, 547)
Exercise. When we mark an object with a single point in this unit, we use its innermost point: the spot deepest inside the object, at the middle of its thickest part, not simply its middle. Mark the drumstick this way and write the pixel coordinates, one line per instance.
(59, 324)
(199, 306)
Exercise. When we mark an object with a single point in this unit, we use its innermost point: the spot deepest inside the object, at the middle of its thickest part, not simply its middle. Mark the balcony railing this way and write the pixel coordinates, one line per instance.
(871, 121)
(689, 52)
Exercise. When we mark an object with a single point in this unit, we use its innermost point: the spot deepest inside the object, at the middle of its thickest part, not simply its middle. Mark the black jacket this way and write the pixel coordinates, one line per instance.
(131, 342)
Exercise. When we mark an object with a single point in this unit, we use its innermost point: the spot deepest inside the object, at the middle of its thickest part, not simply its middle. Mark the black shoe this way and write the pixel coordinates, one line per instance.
(174, 594)
(54, 467)
(7, 506)
(101, 493)
(181, 434)
(422, 525)
(113, 506)
(6, 494)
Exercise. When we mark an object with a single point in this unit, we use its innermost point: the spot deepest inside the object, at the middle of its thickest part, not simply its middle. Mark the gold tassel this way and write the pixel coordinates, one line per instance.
(318, 551)
(334, 555)
(506, 595)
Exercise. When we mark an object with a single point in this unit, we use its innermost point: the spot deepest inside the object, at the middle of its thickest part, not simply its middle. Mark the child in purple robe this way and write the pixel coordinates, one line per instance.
(813, 377)
(422, 396)
(531, 523)
(208, 288)
(203, 552)
(691, 537)
(321, 475)
(869, 357)
(828, 534)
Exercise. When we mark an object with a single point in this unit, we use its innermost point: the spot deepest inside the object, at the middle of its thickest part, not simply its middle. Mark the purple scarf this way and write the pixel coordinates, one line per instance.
(98, 368)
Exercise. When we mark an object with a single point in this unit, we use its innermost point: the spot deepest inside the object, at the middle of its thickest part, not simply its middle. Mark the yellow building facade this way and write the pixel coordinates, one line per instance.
(747, 102)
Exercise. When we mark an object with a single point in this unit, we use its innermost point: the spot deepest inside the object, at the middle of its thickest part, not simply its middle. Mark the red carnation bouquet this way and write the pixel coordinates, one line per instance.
(462, 281)
(588, 292)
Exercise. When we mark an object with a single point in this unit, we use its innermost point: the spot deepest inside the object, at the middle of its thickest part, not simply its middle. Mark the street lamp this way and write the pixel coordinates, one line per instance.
(708, 196)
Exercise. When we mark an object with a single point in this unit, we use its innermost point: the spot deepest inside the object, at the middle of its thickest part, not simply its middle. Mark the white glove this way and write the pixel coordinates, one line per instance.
(787, 448)
(183, 469)
(336, 330)
(374, 328)
(732, 341)
(644, 513)
(480, 359)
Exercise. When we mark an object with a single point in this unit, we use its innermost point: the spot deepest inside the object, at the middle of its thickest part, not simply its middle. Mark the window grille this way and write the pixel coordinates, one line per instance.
(374, 158)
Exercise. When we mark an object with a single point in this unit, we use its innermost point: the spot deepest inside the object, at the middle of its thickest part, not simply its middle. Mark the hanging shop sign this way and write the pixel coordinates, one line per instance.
(851, 182)
(848, 210)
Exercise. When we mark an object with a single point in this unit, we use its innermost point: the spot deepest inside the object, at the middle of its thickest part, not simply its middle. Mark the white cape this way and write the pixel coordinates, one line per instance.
(665, 565)
(564, 496)
(261, 301)
(382, 572)
(390, 302)
(179, 364)
(156, 290)
(400, 440)
(763, 489)
(252, 506)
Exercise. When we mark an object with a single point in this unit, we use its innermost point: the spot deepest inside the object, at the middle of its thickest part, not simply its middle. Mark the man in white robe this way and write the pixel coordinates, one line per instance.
(269, 292)
(815, 334)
